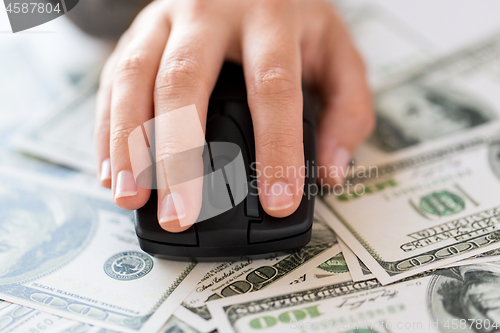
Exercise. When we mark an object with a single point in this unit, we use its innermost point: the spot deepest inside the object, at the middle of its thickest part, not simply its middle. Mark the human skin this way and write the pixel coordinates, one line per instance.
(170, 57)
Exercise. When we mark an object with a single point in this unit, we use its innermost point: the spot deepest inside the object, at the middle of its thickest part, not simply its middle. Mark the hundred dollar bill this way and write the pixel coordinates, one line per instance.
(239, 277)
(358, 270)
(460, 299)
(72, 253)
(434, 201)
(421, 217)
(64, 135)
(275, 310)
(30, 90)
(30, 87)
(452, 99)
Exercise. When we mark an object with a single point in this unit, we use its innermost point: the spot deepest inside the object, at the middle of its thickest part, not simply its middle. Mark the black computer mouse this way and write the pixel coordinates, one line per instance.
(243, 229)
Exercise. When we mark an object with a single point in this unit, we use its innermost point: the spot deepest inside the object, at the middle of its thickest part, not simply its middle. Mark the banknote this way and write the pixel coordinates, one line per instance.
(357, 270)
(422, 216)
(30, 90)
(256, 312)
(64, 135)
(434, 199)
(452, 99)
(250, 275)
(459, 299)
(41, 88)
(72, 253)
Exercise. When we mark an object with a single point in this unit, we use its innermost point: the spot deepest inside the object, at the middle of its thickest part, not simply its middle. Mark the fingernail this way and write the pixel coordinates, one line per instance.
(280, 196)
(340, 160)
(105, 170)
(172, 208)
(125, 185)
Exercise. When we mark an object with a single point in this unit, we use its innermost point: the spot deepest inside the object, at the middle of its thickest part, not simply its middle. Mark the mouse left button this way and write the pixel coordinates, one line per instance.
(148, 228)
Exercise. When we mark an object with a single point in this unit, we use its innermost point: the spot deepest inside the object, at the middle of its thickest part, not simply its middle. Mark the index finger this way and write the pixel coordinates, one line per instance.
(272, 68)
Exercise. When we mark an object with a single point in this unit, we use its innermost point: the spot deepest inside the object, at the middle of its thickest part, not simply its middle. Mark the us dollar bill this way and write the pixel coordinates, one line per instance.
(459, 299)
(250, 275)
(438, 214)
(74, 254)
(259, 311)
(434, 200)
(453, 98)
(64, 135)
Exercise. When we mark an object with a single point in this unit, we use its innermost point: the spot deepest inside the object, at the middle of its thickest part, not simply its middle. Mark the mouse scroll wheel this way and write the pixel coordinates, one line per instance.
(229, 175)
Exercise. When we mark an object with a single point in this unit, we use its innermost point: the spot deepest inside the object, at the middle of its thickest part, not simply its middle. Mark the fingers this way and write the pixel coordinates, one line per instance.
(102, 117)
(348, 117)
(271, 61)
(189, 69)
(101, 127)
(132, 102)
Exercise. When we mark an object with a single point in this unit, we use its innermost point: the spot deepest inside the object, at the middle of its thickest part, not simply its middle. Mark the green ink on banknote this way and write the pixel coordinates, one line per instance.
(335, 264)
(442, 203)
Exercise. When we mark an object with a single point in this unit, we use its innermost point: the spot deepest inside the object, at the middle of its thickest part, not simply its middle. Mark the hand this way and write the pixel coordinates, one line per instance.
(170, 58)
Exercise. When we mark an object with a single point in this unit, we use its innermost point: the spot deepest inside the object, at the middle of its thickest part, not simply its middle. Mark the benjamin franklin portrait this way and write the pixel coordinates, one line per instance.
(40, 230)
(469, 292)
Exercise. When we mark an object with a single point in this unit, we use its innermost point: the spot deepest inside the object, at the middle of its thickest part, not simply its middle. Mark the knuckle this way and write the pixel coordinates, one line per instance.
(132, 64)
(283, 144)
(274, 80)
(183, 154)
(177, 73)
(169, 148)
(119, 135)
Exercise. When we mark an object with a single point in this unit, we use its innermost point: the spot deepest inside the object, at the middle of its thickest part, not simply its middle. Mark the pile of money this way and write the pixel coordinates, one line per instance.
(410, 243)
